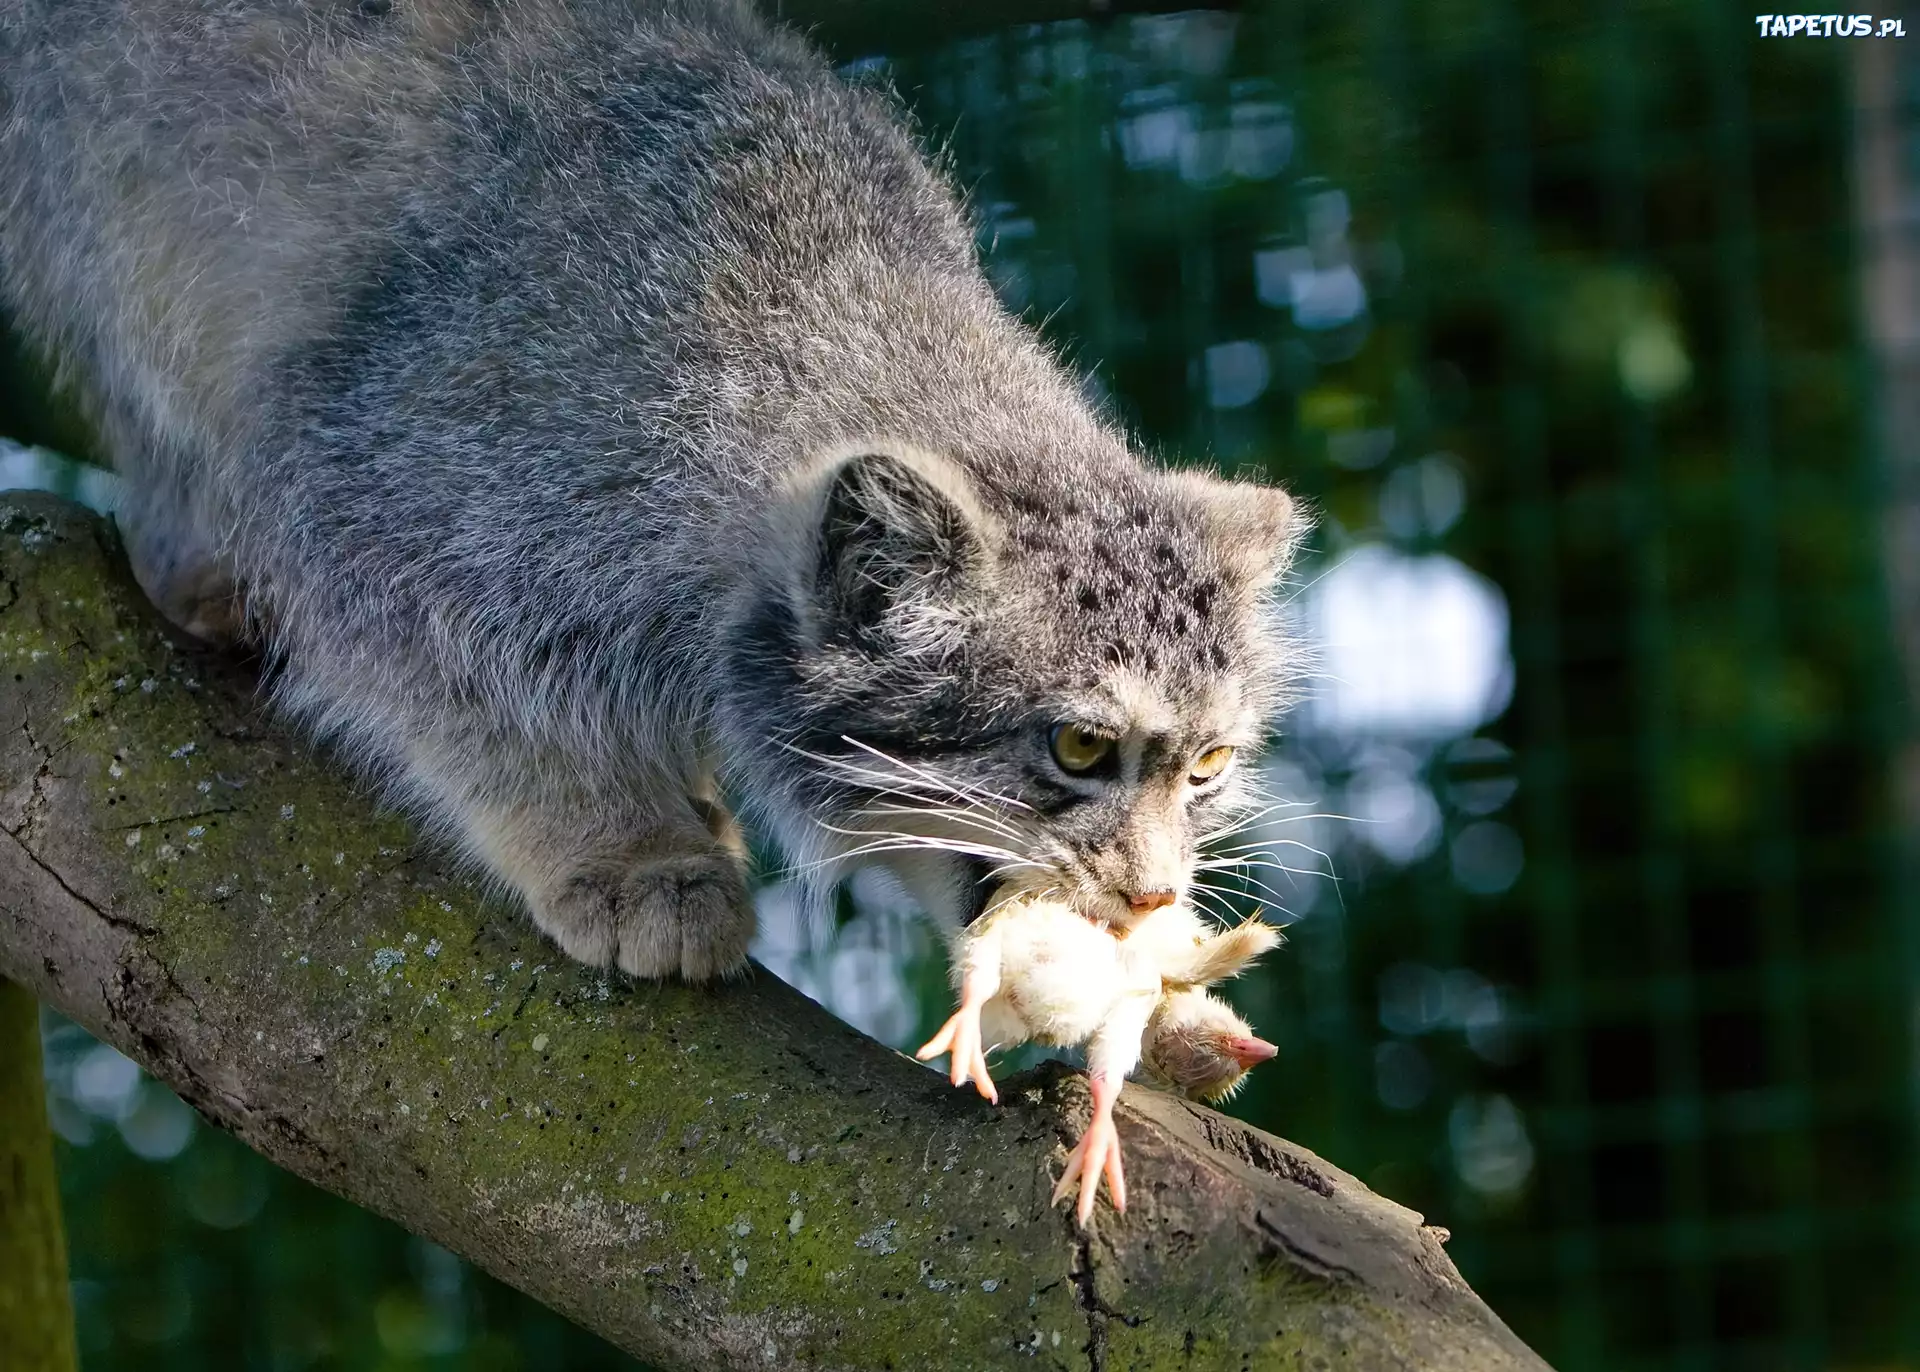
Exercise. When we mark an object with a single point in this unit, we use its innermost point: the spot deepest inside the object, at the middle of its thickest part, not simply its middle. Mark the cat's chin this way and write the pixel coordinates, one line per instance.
(982, 886)
(1110, 909)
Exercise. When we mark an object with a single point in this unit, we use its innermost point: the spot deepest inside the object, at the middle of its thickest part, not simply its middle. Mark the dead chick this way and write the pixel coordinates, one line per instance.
(1034, 969)
(1197, 1045)
(1194, 1044)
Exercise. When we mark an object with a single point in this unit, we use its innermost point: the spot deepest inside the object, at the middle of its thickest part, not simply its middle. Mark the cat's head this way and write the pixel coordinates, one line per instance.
(986, 671)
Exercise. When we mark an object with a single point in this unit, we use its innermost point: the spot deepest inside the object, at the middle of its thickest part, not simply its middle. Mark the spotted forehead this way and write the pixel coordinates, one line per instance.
(1135, 597)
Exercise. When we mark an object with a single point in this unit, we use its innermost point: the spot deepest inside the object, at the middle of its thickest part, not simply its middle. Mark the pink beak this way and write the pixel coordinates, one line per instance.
(1249, 1053)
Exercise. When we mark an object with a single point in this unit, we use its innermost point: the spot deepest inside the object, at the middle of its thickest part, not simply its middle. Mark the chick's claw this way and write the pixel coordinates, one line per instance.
(960, 1036)
(1098, 1151)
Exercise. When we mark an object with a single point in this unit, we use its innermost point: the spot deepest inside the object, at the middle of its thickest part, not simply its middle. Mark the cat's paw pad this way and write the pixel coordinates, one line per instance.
(689, 917)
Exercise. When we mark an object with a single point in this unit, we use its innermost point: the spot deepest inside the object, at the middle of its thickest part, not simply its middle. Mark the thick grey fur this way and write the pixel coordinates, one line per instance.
(598, 411)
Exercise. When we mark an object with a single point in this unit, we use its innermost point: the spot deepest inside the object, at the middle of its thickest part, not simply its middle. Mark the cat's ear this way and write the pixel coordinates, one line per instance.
(1254, 529)
(898, 535)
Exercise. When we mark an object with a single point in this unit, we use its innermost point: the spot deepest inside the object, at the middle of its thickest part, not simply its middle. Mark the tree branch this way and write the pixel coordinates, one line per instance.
(709, 1178)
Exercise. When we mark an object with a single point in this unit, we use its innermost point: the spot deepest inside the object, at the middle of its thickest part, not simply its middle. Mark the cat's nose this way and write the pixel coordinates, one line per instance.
(1140, 902)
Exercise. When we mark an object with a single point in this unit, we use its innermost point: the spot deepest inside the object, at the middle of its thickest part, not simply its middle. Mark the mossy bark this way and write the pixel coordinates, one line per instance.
(710, 1178)
(36, 1315)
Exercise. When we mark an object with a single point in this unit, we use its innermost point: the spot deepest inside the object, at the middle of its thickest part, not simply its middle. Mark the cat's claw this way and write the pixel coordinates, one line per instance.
(960, 1036)
(1098, 1151)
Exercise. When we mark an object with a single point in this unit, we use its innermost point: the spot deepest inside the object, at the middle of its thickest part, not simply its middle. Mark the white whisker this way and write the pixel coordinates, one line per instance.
(1263, 846)
(954, 845)
(1222, 894)
(1327, 571)
(1290, 819)
(1256, 882)
(958, 788)
(967, 817)
(1291, 872)
(1222, 910)
(1248, 821)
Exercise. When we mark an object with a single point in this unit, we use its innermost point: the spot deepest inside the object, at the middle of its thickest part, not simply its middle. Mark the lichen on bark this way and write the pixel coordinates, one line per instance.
(723, 1177)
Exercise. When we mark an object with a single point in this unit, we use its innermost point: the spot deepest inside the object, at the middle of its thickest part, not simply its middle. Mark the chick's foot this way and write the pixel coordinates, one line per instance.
(1098, 1151)
(960, 1036)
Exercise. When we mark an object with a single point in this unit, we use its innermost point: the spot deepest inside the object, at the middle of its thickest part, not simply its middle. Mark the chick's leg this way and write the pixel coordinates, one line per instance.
(1098, 1151)
(960, 1035)
(1112, 1052)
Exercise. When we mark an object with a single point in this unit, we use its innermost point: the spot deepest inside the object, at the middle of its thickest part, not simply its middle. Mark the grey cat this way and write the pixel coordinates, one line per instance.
(597, 410)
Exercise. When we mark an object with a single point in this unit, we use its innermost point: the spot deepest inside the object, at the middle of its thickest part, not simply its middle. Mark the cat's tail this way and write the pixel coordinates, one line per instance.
(1225, 954)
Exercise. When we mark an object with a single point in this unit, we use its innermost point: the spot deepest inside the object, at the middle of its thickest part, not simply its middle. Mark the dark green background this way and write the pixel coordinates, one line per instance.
(1615, 359)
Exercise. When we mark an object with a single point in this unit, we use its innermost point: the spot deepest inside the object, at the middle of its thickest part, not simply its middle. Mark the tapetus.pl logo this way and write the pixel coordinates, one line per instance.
(1829, 26)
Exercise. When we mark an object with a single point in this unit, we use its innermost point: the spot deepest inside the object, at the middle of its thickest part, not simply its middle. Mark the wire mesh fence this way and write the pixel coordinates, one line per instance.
(1556, 314)
(1578, 326)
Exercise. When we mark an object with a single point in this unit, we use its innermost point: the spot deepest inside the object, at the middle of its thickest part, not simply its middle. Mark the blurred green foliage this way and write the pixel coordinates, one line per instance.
(1551, 310)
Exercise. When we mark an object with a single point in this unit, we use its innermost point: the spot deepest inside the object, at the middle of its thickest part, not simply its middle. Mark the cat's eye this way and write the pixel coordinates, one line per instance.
(1078, 748)
(1211, 764)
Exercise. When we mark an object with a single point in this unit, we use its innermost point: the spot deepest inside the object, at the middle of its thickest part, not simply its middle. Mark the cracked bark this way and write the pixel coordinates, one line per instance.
(713, 1178)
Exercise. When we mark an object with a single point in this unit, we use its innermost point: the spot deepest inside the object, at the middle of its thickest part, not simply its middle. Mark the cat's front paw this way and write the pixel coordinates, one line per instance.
(689, 917)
